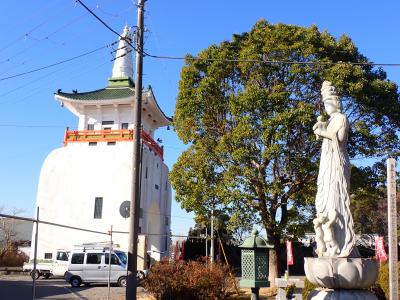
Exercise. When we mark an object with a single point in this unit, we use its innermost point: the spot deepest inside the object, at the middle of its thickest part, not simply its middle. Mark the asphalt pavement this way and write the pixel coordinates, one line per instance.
(18, 287)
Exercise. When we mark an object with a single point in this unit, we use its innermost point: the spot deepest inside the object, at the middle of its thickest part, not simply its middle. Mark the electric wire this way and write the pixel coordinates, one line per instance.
(33, 220)
(261, 61)
(26, 84)
(31, 126)
(265, 61)
(74, 74)
(117, 14)
(62, 27)
(194, 58)
(127, 39)
(41, 86)
(47, 38)
(60, 10)
(57, 63)
(30, 15)
(48, 35)
(29, 31)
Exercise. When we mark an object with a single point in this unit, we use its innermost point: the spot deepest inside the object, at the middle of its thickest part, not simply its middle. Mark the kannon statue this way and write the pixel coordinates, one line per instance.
(334, 223)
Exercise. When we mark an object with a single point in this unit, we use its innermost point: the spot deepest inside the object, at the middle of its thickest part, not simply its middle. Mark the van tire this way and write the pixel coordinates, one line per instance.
(122, 281)
(75, 281)
(35, 274)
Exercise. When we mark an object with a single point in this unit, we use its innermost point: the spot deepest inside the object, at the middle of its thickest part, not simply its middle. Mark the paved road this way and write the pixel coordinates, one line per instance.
(14, 287)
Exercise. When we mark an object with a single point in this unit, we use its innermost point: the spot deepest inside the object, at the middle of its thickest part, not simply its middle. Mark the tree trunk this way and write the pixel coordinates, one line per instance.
(273, 267)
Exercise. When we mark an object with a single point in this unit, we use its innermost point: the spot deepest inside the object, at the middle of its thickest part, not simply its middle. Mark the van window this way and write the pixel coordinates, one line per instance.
(93, 258)
(62, 256)
(114, 259)
(77, 258)
(122, 256)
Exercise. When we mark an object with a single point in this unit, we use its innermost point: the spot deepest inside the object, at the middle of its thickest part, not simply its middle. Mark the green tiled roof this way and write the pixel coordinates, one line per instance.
(102, 94)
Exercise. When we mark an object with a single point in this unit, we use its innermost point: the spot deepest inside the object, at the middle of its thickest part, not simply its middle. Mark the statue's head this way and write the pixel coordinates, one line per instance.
(330, 98)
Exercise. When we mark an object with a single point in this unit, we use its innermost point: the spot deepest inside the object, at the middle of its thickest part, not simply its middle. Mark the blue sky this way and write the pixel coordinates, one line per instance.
(38, 33)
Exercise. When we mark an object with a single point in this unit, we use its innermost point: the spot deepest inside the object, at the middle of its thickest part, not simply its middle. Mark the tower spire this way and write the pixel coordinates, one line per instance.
(123, 66)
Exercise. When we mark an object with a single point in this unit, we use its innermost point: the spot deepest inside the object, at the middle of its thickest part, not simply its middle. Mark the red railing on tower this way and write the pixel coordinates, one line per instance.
(120, 135)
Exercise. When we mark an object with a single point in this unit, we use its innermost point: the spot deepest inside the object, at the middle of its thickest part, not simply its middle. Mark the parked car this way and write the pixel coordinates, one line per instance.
(47, 268)
(91, 265)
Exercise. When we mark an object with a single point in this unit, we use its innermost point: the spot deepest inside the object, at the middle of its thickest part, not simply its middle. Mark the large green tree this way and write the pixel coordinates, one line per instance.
(369, 199)
(247, 111)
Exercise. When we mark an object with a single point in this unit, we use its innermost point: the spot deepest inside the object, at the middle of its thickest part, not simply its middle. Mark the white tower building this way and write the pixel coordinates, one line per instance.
(84, 183)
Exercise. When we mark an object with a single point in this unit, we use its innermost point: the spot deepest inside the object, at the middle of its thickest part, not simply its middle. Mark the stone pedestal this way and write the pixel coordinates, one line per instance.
(282, 283)
(341, 278)
(327, 294)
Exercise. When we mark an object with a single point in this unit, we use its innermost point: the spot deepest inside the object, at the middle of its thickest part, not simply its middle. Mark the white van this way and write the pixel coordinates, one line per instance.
(47, 268)
(92, 266)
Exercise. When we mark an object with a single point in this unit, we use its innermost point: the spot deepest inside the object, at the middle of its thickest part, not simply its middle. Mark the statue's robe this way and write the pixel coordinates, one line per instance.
(334, 184)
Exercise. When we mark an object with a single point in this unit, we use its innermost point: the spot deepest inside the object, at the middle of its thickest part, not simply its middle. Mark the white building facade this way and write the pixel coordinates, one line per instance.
(85, 183)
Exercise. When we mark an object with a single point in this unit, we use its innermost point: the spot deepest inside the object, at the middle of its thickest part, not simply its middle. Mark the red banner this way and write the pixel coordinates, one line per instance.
(289, 253)
(380, 252)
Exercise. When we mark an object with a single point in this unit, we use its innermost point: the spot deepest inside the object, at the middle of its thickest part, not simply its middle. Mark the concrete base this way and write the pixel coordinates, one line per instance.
(282, 283)
(326, 294)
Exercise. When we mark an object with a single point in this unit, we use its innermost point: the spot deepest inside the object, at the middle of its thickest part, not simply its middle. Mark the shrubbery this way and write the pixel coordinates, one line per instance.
(12, 258)
(383, 278)
(193, 280)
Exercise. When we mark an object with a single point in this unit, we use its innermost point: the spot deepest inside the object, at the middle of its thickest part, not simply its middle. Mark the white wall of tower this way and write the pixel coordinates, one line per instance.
(73, 176)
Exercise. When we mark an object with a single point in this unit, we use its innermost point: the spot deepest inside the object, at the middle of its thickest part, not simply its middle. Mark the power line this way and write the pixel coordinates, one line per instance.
(72, 74)
(39, 89)
(262, 61)
(59, 11)
(127, 39)
(31, 126)
(98, 18)
(47, 38)
(266, 61)
(57, 63)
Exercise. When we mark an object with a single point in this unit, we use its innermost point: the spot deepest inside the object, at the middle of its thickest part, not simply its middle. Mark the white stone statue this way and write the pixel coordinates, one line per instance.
(334, 223)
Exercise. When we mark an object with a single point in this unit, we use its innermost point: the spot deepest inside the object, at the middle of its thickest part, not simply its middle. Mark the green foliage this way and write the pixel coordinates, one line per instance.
(193, 280)
(249, 125)
(383, 278)
(308, 287)
(368, 195)
(290, 291)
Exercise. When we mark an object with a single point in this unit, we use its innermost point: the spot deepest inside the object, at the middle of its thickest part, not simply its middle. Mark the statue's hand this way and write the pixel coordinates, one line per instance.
(317, 131)
(316, 125)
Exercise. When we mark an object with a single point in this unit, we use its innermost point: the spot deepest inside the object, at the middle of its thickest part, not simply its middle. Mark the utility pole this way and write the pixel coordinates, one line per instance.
(35, 255)
(212, 237)
(392, 228)
(206, 244)
(135, 200)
